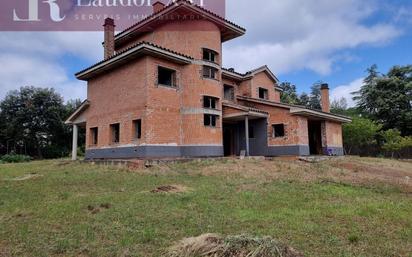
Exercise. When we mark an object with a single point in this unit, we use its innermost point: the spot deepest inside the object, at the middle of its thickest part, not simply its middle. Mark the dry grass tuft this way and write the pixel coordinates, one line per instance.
(212, 245)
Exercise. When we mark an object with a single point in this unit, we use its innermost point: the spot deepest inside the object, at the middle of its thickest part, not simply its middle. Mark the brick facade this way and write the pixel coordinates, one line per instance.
(173, 118)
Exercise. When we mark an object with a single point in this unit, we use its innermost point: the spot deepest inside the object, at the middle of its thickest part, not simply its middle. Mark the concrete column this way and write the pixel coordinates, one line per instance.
(247, 134)
(74, 145)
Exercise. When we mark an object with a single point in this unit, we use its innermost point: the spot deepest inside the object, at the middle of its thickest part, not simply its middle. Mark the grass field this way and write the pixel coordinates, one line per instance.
(346, 207)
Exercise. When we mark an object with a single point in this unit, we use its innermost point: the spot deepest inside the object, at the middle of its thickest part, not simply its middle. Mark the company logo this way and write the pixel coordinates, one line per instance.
(83, 15)
(34, 11)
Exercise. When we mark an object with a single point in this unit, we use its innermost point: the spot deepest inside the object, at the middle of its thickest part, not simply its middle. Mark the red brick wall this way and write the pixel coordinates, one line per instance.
(296, 128)
(333, 134)
(172, 116)
(117, 97)
(187, 37)
(262, 80)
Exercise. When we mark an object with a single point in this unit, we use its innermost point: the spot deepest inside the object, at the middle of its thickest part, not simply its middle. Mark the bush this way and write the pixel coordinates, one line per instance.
(14, 158)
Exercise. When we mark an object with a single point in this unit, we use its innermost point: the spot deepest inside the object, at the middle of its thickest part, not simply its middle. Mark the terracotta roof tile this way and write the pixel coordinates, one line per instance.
(133, 46)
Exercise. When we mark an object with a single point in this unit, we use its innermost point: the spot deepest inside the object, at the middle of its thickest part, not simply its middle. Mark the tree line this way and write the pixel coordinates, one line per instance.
(382, 117)
(32, 123)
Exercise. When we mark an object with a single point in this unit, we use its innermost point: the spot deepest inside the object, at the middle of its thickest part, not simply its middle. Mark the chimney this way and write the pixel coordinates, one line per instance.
(158, 6)
(108, 38)
(324, 89)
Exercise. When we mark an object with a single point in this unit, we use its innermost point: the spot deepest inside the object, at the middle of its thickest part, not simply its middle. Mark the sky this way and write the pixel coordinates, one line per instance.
(302, 42)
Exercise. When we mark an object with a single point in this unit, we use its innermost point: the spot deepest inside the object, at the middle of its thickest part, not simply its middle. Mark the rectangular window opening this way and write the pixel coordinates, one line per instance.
(209, 72)
(115, 133)
(278, 130)
(137, 129)
(210, 102)
(94, 136)
(229, 92)
(210, 120)
(166, 77)
(209, 55)
(263, 93)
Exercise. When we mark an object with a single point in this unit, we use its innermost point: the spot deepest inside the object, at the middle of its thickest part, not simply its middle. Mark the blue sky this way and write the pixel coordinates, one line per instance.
(302, 41)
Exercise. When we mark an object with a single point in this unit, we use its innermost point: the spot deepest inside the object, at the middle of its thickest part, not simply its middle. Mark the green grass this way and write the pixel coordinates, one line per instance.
(50, 214)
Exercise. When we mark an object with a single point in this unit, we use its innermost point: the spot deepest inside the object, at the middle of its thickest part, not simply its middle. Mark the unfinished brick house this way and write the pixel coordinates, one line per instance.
(161, 92)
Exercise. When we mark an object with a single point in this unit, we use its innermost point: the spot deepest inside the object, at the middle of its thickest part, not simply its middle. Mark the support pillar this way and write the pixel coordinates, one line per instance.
(247, 134)
(75, 139)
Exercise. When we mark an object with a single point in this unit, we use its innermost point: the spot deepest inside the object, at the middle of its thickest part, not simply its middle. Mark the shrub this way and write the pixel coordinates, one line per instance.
(14, 158)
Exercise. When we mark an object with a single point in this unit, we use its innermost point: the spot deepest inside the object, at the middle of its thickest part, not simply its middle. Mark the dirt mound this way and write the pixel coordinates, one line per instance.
(170, 189)
(212, 245)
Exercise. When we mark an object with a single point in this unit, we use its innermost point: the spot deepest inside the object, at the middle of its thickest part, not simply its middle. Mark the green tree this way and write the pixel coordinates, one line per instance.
(388, 98)
(289, 94)
(34, 118)
(360, 133)
(304, 100)
(393, 142)
(315, 96)
(339, 106)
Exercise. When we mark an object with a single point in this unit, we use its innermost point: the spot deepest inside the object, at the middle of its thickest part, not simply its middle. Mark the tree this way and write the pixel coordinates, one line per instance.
(34, 119)
(360, 133)
(315, 96)
(392, 141)
(304, 100)
(289, 94)
(339, 106)
(388, 98)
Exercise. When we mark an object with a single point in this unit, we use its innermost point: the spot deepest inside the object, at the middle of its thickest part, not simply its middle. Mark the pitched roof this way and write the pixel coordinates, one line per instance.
(83, 106)
(229, 29)
(266, 69)
(300, 110)
(231, 73)
(134, 51)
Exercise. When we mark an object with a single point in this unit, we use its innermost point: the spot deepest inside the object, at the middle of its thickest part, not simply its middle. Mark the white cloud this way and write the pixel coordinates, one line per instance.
(34, 59)
(346, 90)
(295, 35)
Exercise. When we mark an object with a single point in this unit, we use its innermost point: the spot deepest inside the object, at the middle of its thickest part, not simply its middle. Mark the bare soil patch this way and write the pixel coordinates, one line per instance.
(170, 189)
(96, 209)
(360, 171)
(25, 177)
(213, 245)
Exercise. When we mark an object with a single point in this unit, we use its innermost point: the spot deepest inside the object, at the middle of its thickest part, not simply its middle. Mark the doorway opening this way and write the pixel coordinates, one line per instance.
(229, 139)
(315, 137)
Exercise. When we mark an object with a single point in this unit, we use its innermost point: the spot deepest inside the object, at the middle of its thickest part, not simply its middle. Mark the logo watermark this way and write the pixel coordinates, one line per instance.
(84, 15)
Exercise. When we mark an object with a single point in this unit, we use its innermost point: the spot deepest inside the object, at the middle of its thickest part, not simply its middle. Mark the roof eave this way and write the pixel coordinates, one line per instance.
(77, 112)
(135, 52)
(322, 115)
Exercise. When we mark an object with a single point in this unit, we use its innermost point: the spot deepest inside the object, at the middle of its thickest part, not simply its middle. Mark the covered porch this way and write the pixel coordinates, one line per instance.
(78, 122)
(244, 130)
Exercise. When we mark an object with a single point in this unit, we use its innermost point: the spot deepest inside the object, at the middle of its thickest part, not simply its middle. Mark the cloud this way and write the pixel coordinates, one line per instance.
(22, 71)
(35, 59)
(295, 35)
(346, 90)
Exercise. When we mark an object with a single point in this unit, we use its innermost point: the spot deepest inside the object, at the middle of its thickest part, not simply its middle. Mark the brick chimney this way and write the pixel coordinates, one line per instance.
(108, 38)
(158, 6)
(324, 89)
